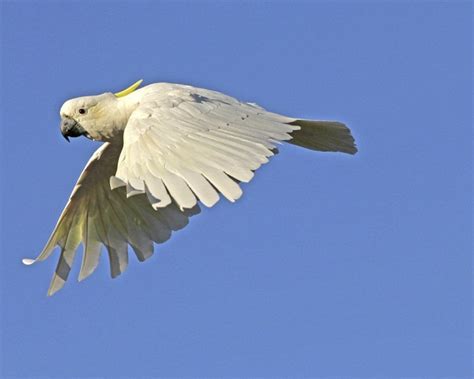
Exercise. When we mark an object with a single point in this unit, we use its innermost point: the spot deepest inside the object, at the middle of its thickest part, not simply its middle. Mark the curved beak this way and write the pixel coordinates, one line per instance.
(71, 128)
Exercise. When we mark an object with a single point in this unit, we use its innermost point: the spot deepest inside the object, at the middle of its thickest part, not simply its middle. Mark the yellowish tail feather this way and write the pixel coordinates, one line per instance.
(323, 136)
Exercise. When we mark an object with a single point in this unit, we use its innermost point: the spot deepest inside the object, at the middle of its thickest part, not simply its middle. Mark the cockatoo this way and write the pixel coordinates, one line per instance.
(166, 148)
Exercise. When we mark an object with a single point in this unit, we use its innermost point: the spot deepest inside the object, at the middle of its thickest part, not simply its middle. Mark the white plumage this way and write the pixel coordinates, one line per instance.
(167, 147)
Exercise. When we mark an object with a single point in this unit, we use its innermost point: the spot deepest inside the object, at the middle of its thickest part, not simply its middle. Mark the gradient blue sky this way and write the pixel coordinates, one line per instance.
(330, 265)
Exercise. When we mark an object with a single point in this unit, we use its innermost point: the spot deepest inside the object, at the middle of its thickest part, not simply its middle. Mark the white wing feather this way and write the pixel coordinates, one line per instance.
(191, 143)
(95, 215)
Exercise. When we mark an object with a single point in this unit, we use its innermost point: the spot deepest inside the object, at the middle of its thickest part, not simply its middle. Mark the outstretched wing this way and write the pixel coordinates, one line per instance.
(95, 216)
(187, 144)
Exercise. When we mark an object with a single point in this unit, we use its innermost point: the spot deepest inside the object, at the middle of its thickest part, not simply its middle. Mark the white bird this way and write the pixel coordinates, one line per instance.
(167, 147)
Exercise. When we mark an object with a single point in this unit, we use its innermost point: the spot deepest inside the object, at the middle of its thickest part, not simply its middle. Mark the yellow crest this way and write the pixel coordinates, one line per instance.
(129, 90)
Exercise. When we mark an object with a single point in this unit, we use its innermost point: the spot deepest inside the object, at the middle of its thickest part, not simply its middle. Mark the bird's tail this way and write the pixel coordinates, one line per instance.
(323, 136)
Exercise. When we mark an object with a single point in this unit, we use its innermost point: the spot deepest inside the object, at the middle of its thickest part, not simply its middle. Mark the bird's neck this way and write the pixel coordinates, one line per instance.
(115, 113)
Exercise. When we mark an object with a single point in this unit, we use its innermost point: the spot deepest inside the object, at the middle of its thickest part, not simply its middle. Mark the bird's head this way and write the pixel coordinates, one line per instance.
(99, 117)
(80, 116)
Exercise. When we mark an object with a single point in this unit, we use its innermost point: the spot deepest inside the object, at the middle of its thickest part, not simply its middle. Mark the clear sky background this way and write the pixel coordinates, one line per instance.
(330, 264)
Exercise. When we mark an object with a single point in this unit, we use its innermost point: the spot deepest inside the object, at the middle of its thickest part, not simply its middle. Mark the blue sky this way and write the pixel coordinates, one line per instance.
(330, 265)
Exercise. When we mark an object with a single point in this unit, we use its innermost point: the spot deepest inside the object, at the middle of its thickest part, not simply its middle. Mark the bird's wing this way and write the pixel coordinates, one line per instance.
(95, 216)
(188, 144)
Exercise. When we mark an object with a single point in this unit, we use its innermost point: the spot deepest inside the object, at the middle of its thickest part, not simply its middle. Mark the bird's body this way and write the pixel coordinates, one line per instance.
(167, 147)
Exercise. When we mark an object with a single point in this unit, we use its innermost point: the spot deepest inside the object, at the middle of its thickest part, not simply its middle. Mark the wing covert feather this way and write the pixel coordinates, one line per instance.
(195, 143)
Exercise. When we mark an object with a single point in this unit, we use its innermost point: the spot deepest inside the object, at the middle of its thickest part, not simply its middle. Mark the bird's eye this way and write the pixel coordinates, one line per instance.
(82, 111)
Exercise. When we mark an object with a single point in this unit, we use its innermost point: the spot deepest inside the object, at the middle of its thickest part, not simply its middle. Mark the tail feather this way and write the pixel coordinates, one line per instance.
(323, 136)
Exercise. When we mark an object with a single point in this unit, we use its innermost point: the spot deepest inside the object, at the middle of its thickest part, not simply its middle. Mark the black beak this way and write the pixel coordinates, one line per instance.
(71, 128)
